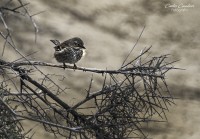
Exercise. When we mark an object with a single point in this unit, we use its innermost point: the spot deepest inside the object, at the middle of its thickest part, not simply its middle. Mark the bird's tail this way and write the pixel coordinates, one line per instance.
(56, 42)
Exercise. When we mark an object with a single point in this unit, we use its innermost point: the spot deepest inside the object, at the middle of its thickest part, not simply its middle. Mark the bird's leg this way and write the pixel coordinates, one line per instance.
(64, 65)
(75, 67)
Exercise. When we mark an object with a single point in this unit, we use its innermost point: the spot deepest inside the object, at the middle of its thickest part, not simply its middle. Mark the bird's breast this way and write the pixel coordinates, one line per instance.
(68, 55)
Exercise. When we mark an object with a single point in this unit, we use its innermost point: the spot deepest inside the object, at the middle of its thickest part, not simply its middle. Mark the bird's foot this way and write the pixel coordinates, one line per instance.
(75, 67)
(64, 66)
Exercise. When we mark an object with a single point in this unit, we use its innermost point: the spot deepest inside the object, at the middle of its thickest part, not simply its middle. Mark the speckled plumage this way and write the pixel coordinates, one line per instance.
(70, 51)
(68, 55)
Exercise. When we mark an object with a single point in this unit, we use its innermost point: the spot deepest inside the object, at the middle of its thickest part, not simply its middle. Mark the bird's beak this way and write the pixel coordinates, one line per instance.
(83, 47)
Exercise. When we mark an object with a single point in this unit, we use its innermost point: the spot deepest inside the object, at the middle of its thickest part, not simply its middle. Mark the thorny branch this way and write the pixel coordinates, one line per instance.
(136, 70)
(130, 97)
(133, 96)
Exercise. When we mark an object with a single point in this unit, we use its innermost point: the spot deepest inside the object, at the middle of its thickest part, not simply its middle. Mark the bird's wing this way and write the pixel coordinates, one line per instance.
(65, 44)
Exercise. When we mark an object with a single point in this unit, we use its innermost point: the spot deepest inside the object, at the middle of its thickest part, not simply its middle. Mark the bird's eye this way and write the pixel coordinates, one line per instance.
(76, 43)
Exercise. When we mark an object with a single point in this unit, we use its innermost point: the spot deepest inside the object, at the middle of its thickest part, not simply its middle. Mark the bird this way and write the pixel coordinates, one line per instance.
(69, 51)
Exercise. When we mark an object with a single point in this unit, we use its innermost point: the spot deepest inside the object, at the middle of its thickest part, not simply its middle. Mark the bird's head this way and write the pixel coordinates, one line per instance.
(77, 42)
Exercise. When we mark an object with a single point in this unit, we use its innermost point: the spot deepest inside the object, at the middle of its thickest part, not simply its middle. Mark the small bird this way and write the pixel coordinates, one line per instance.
(69, 51)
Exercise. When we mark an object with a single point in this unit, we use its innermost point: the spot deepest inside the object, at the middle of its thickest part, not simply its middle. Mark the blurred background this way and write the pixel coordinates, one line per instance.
(109, 30)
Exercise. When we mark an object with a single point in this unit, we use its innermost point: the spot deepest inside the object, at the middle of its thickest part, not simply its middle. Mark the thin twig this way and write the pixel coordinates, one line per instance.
(133, 46)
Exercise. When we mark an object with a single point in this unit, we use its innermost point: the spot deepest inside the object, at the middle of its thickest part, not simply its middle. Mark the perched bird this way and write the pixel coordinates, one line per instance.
(69, 51)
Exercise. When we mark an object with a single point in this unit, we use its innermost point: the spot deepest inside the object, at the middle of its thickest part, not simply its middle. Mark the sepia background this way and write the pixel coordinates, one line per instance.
(109, 29)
